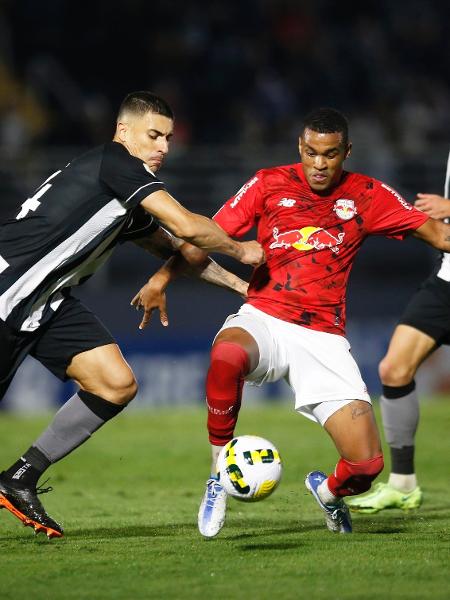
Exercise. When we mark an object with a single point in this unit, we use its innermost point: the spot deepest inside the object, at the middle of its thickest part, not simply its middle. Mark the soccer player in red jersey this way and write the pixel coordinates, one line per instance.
(311, 220)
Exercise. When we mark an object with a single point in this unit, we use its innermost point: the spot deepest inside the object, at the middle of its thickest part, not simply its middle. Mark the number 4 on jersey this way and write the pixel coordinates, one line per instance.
(33, 202)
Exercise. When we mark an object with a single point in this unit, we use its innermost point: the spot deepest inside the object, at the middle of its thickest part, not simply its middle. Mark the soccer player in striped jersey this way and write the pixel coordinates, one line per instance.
(56, 240)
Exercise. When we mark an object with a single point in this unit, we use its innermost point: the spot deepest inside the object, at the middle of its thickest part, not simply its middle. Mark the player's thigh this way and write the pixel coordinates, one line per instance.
(76, 345)
(407, 350)
(321, 368)
(103, 371)
(354, 431)
(14, 347)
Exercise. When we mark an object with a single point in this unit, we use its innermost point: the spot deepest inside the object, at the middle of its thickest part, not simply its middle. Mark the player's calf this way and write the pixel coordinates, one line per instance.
(229, 365)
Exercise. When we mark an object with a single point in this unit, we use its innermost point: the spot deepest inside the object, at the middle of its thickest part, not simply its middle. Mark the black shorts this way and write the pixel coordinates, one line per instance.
(429, 310)
(72, 329)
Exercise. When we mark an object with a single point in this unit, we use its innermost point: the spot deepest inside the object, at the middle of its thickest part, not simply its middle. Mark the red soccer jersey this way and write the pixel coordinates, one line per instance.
(311, 240)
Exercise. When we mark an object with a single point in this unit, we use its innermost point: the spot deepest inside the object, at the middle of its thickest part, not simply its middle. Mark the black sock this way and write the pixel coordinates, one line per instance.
(28, 468)
(402, 460)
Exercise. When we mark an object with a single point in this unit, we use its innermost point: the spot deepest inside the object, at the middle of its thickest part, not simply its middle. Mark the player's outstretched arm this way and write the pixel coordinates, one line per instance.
(433, 205)
(191, 261)
(199, 230)
(436, 233)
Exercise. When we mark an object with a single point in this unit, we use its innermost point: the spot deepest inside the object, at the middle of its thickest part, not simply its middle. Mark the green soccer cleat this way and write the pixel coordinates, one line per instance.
(384, 496)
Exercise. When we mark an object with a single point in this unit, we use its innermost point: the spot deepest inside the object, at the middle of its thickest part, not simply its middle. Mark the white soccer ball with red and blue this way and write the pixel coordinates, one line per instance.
(249, 468)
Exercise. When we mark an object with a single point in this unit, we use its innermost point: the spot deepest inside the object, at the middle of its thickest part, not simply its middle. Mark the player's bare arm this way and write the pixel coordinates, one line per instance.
(161, 243)
(436, 233)
(433, 205)
(199, 230)
(193, 262)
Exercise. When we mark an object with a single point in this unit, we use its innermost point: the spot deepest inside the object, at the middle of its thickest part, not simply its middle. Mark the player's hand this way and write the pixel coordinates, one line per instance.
(433, 205)
(252, 253)
(149, 298)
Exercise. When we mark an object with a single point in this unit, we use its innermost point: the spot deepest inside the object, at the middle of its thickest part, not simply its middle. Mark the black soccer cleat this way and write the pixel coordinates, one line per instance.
(23, 503)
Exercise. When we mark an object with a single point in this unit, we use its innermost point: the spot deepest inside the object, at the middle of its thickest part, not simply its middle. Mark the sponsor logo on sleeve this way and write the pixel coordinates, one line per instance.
(242, 191)
(402, 201)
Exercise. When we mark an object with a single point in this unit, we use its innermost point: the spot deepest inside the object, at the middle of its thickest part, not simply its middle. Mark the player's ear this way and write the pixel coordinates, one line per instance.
(122, 130)
(348, 150)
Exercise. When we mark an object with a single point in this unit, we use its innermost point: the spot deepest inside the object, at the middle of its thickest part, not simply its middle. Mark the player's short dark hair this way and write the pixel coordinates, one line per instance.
(140, 103)
(327, 120)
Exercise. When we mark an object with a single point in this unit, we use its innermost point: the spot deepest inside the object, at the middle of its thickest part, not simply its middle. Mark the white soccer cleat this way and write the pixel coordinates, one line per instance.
(211, 515)
(337, 516)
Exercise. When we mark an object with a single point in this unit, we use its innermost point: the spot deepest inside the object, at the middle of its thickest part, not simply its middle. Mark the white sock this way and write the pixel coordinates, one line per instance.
(215, 451)
(403, 483)
(325, 495)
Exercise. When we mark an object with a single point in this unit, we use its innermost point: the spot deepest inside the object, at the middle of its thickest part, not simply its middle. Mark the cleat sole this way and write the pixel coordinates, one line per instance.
(27, 522)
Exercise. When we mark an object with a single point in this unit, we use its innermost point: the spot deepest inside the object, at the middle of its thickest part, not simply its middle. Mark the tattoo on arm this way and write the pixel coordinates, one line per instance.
(216, 275)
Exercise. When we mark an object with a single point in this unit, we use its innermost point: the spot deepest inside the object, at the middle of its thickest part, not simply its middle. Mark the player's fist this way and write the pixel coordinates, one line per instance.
(252, 253)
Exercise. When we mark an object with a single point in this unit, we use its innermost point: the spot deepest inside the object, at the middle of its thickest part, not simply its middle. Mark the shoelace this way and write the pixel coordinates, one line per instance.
(338, 515)
(43, 490)
(213, 486)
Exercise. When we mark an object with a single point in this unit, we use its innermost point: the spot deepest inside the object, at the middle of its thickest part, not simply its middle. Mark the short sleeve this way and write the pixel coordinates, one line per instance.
(139, 224)
(391, 215)
(127, 176)
(242, 211)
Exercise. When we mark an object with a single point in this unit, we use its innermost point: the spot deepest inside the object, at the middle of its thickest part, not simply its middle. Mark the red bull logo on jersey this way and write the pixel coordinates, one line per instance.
(345, 209)
(307, 238)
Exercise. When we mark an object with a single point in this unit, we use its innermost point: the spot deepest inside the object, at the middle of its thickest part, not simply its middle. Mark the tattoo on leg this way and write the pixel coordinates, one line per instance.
(358, 412)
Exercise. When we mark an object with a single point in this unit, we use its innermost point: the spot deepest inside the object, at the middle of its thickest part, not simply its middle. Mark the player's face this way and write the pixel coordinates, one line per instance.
(147, 137)
(323, 156)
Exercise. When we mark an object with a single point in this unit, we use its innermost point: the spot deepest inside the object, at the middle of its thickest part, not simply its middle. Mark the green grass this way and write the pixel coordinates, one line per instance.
(128, 500)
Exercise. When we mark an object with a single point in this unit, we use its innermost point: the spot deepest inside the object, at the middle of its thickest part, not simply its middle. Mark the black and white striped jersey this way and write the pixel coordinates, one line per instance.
(444, 269)
(68, 228)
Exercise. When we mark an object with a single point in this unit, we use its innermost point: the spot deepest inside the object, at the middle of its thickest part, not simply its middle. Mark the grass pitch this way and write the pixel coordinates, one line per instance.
(128, 500)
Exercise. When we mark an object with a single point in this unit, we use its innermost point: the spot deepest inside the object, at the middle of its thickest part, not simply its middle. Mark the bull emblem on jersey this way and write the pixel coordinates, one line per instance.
(345, 209)
(307, 238)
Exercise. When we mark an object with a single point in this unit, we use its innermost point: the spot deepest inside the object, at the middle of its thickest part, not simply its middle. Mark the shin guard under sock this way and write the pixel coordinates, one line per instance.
(400, 413)
(74, 423)
(229, 365)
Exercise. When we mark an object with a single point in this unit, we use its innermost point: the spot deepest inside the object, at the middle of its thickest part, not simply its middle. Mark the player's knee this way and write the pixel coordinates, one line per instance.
(122, 389)
(352, 478)
(228, 361)
(395, 374)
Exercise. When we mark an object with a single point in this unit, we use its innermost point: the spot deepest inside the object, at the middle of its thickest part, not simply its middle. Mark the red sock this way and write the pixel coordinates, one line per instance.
(229, 365)
(351, 478)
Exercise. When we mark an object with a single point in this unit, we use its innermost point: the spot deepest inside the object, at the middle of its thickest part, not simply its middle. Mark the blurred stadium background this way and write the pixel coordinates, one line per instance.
(240, 76)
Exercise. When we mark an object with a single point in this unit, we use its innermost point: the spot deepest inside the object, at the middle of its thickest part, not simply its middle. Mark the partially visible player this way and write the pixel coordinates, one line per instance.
(57, 239)
(311, 220)
(423, 327)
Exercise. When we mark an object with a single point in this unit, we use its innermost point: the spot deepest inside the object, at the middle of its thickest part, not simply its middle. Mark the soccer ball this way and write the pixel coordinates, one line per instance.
(249, 468)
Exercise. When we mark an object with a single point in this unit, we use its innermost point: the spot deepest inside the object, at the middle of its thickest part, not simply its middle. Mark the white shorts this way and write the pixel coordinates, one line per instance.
(318, 366)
